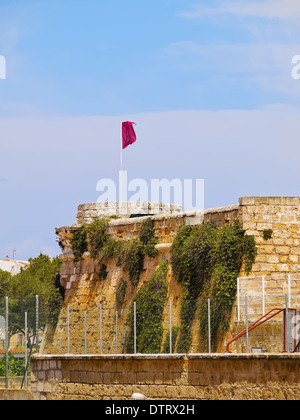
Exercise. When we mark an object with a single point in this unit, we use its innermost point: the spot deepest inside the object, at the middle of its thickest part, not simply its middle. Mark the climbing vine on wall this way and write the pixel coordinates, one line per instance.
(79, 243)
(120, 295)
(207, 261)
(150, 302)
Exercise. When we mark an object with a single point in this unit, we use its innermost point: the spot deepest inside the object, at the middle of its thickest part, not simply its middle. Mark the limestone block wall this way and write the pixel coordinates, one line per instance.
(90, 211)
(165, 377)
(277, 257)
(281, 253)
(84, 291)
(276, 271)
(15, 395)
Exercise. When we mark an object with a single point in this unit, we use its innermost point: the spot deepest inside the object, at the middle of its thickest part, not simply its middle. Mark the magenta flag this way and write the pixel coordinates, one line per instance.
(128, 133)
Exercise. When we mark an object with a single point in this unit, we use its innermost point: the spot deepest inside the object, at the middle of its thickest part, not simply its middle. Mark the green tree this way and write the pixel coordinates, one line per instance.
(42, 279)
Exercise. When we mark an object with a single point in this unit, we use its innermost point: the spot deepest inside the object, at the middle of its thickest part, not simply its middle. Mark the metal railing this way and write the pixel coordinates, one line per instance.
(267, 292)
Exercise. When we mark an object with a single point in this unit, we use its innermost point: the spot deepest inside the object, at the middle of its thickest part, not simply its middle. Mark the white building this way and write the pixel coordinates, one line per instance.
(13, 266)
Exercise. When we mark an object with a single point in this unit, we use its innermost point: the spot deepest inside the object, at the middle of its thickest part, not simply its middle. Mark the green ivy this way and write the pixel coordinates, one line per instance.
(98, 236)
(207, 260)
(133, 259)
(79, 243)
(166, 345)
(267, 234)
(103, 272)
(150, 302)
(130, 254)
(121, 292)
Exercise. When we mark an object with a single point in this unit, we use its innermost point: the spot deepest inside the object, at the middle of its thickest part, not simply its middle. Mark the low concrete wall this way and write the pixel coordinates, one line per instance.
(161, 377)
(15, 395)
(14, 382)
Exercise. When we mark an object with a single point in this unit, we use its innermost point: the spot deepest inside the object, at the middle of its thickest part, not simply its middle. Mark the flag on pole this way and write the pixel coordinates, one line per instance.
(128, 134)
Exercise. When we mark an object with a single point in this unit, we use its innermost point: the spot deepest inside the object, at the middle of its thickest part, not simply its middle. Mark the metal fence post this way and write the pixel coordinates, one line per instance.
(289, 289)
(247, 328)
(68, 329)
(85, 340)
(101, 350)
(263, 295)
(6, 343)
(26, 354)
(286, 338)
(117, 331)
(171, 349)
(134, 326)
(209, 325)
(238, 300)
(37, 322)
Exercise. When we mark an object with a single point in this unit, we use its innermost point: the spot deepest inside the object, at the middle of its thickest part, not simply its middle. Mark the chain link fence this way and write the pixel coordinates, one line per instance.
(107, 329)
(21, 335)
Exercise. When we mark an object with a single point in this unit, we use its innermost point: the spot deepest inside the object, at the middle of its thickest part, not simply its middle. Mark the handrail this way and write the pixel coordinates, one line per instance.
(254, 325)
(297, 348)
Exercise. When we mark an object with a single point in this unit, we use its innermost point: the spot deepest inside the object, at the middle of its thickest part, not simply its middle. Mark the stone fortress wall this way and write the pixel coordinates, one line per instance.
(277, 257)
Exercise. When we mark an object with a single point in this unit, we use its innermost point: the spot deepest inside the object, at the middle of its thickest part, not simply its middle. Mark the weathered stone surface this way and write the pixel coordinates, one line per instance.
(193, 376)
(277, 257)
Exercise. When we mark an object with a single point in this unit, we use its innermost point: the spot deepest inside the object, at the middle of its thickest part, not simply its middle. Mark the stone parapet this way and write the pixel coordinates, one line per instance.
(89, 212)
(161, 377)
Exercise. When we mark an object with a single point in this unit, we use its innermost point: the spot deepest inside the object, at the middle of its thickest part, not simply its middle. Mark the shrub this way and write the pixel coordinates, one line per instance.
(97, 236)
(130, 254)
(207, 260)
(133, 259)
(150, 302)
(79, 243)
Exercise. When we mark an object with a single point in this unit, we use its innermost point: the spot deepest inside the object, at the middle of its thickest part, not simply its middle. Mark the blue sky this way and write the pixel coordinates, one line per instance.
(208, 83)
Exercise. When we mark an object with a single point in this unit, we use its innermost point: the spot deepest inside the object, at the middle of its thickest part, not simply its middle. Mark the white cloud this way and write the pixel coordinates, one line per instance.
(282, 9)
(267, 65)
(237, 153)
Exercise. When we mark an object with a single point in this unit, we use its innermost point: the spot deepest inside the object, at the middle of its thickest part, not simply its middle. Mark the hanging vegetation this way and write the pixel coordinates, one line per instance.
(130, 254)
(207, 261)
(150, 302)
